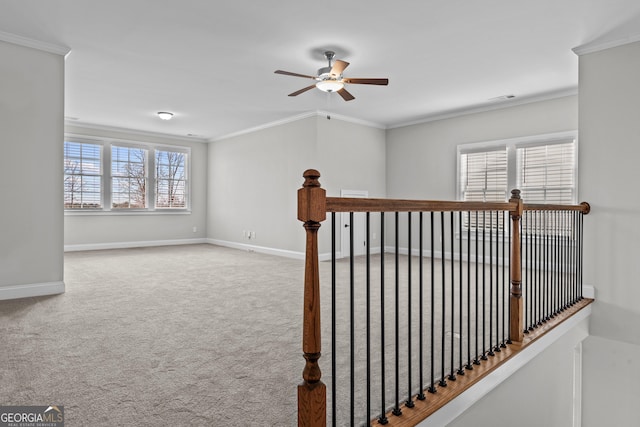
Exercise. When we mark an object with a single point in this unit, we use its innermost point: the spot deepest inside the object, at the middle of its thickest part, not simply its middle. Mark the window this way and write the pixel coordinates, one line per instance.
(542, 167)
(128, 178)
(170, 179)
(143, 177)
(546, 173)
(82, 175)
(484, 175)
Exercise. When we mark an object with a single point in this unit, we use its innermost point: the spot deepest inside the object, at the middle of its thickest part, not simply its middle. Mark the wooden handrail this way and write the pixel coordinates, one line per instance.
(583, 207)
(345, 204)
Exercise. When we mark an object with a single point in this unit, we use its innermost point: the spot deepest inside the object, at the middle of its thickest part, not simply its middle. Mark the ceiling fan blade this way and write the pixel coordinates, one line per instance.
(383, 82)
(338, 67)
(346, 95)
(298, 92)
(288, 73)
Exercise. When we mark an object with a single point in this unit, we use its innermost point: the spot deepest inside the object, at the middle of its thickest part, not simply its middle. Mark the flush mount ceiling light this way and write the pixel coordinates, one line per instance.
(164, 115)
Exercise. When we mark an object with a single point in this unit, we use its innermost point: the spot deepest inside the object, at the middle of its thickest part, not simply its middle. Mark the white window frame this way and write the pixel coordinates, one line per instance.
(101, 175)
(511, 146)
(151, 148)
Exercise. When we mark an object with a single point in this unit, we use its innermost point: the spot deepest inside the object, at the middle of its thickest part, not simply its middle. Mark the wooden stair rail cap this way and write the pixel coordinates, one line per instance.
(312, 199)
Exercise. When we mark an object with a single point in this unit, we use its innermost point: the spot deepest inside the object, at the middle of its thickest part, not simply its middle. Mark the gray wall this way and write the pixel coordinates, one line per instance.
(91, 230)
(31, 134)
(254, 178)
(538, 394)
(609, 152)
(421, 159)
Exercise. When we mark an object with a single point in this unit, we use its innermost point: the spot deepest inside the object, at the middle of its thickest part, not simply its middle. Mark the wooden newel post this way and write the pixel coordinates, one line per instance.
(312, 395)
(516, 321)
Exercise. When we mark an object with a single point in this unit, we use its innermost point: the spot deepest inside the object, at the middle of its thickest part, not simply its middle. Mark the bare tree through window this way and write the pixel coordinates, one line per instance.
(128, 177)
(170, 179)
(82, 175)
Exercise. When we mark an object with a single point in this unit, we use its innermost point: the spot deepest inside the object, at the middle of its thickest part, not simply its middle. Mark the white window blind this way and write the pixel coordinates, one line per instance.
(128, 177)
(484, 175)
(544, 169)
(546, 173)
(82, 175)
(170, 179)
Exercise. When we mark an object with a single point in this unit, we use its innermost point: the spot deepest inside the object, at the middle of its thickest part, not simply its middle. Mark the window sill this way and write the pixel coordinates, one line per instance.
(127, 212)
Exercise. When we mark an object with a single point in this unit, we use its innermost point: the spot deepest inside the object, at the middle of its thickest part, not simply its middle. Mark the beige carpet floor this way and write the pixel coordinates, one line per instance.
(168, 336)
(202, 335)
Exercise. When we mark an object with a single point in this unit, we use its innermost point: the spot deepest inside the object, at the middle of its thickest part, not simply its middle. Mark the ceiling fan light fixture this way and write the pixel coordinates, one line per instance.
(330, 85)
(165, 115)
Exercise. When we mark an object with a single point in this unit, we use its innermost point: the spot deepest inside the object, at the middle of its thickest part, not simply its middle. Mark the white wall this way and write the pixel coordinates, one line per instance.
(31, 134)
(91, 231)
(254, 178)
(609, 153)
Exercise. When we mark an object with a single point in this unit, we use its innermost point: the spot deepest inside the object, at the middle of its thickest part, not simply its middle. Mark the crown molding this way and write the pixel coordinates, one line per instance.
(598, 46)
(268, 125)
(302, 116)
(92, 126)
(351, 119)
(490, 107)
(34, 44)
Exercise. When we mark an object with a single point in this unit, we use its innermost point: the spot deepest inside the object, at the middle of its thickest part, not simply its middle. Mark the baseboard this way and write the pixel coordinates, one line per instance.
(588, 291)
(125, 245)
(260, 249)
(31, 290)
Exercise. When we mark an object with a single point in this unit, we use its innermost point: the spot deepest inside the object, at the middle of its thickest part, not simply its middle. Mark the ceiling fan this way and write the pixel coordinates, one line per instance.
(330, 79)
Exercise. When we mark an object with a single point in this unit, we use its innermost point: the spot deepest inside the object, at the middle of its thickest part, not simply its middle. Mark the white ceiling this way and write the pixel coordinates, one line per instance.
(212, 63)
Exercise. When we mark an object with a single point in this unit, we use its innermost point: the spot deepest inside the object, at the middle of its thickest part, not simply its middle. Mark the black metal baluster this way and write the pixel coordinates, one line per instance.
(333, 320)
(396, 409)
(452, 376)
(563, 260)
(382, 419)
(534, 273)
(547, 261)
(531, 267)
(556, 308)
(581, 255)
(531, 277)
(460, 275)
(537, 263)
(477, 296)
(432, 387)
(409, 403)
(491, 353)
(574, 258)
(497, 261)
(484, 285)
(576, 261)
(469, 365)
(443, 382)
(421, 395)
(568, 270)
(352, 331)
(508, 225)
(368, 250)
(505, 283)
(554, 264)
